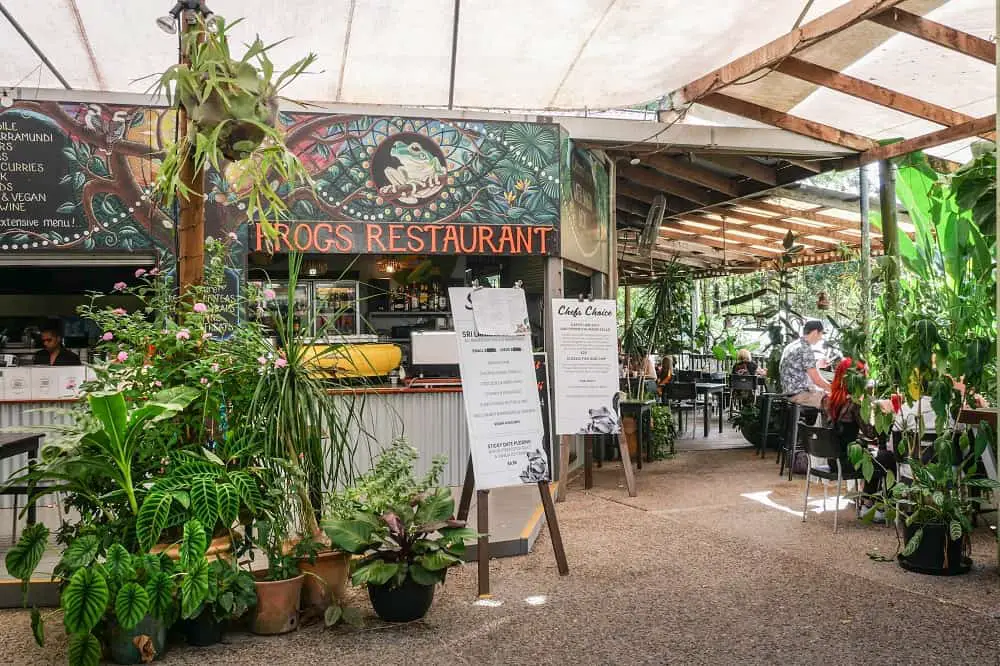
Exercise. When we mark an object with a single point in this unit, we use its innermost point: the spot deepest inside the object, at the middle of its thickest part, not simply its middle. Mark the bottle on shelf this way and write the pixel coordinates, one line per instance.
(423, 298)
(414, 298)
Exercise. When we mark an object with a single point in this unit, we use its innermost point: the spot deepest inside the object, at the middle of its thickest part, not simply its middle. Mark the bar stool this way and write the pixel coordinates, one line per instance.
(793, 414)
(771, 408)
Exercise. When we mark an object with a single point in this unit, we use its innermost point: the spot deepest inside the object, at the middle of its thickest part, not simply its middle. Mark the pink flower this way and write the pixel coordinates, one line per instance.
(154, 272)
(140, 272)
(215, 367)
(233, 236)
(120, 286)
(280, 362)
(269, 294)
(204, 380)
(119, 311)
(200, 307)
(206, 335)
(157, 383)
(262, 360)
(108, 337)
(183, 334)
(122, 356)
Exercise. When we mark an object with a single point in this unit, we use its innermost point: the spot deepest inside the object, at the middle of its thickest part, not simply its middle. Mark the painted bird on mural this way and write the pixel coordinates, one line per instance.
(113, 128)
(419, 170)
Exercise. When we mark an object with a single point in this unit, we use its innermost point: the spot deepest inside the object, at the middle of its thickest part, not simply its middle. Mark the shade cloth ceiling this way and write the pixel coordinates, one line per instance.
(535, 55)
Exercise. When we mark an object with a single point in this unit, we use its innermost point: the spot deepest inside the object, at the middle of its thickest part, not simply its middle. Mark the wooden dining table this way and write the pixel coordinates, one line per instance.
(14, 444)
(707, 389)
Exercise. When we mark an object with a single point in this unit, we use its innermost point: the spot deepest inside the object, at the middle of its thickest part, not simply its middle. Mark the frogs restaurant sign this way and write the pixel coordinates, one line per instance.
(384, 185)
(407, 238)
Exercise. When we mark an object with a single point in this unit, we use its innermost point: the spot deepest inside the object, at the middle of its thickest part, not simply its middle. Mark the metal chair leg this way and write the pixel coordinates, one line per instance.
(13, 523)
(836, 513)
(805, 500)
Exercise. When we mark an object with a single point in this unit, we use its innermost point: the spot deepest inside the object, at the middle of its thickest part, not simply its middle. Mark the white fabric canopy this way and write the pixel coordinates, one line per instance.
(516, 54)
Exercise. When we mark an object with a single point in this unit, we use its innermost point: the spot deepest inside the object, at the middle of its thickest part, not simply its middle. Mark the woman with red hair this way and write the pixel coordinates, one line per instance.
(844, 415)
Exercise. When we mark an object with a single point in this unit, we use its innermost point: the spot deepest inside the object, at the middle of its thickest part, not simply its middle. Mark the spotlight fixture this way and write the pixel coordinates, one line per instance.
(634, 161)
(6, 101)
(169, 22)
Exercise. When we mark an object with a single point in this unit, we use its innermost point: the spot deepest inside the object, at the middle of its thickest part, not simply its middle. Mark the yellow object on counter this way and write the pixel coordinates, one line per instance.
(356, 360)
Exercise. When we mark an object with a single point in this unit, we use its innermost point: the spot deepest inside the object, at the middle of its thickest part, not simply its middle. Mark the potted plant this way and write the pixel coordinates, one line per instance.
(402, 532)
(232, 107)
(231, 594)
(279, 587)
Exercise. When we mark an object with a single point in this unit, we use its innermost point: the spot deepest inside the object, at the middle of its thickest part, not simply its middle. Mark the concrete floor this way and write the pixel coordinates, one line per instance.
(710, 564)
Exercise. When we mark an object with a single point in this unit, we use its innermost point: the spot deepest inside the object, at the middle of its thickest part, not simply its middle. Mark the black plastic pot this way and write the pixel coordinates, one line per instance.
(410, 601)
(203, 630)
(121, 643)
(929, 557)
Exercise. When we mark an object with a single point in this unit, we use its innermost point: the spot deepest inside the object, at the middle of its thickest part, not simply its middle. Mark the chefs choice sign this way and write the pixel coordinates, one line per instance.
(500, 393)
(408, 238)
(585, 353)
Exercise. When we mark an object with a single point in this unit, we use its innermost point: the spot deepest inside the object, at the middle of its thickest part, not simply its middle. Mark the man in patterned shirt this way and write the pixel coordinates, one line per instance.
(800, 379)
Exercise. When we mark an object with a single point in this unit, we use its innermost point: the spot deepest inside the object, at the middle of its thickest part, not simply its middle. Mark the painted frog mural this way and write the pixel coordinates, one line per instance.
(420, 170)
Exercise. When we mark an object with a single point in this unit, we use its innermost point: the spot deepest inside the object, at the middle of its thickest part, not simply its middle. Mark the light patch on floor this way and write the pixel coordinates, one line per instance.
(536, 600)
(815, 506)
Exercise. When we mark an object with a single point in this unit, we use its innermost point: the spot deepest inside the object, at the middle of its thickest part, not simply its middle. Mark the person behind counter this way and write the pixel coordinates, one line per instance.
(53, 352)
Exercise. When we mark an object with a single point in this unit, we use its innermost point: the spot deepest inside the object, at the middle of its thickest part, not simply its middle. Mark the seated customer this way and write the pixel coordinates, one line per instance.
(53, 352)
(666, 373)
(744, 363)
(799, 377)
(844, 416)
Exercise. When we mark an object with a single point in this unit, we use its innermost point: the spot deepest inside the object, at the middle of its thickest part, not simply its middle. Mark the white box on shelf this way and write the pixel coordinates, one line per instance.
(45, 382)
(16, 383)
(70, 379)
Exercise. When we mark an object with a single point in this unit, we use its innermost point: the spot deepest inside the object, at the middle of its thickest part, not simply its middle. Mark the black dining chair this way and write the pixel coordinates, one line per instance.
(819, 442)
(742, 389)
(682, 396)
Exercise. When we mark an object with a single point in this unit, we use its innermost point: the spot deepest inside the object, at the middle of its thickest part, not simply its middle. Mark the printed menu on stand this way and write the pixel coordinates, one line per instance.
(585, 337)
(500, 392)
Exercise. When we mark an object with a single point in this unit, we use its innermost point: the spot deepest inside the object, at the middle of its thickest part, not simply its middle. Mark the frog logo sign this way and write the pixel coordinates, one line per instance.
(408, 168)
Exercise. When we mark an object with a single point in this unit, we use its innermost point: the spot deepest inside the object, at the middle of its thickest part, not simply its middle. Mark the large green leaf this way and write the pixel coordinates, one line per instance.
(438, 560)
(247, 488)
(160, 591)
(377, 572)
(436, 507)
(112, 412)
(81, 552)
(194, 589)
(353, 536)
(422, 576)
(194, 544)
(84, 600)
(229, 503)
(913, 543)
(84, 650)
(118, 564)
(205, 500)
(23, 558)
(152, 518)
(131, 605)
(955, 530)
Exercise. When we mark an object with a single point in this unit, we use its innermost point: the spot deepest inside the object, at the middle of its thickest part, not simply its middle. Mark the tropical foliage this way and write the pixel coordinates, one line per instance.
(400, 526)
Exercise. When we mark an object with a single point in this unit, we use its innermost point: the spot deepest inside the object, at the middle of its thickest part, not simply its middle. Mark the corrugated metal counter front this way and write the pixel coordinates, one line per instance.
(431, 419)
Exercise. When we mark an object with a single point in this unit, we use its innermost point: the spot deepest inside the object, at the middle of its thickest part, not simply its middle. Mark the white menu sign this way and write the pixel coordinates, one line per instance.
(501, 396)
(585, 356)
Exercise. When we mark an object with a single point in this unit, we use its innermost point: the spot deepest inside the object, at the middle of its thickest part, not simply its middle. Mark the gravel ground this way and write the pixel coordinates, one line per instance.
(689, 572)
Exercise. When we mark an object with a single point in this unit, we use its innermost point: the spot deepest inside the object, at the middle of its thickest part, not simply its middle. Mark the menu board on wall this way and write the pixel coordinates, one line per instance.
(36, 192)
(586, 208)
(585, 355)
(500, 392)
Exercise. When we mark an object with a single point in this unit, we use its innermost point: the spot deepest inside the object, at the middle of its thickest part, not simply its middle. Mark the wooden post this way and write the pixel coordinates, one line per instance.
(468, 485)
(866, 262)
(627, 462)
(554, 534)
(483, 546)
(588, 463)
(564, 447)
(890, 246)
(191, 225)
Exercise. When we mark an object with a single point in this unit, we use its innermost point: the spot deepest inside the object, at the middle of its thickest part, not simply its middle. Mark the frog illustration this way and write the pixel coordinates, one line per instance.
(419, 170)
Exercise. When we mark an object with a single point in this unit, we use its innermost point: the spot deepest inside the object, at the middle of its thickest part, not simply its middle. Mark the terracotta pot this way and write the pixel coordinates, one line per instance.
(221, 547)
(333, 567)
(631, 428)
(277, 610)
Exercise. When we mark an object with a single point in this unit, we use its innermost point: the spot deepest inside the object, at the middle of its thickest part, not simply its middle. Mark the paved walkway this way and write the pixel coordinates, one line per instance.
(690, 572)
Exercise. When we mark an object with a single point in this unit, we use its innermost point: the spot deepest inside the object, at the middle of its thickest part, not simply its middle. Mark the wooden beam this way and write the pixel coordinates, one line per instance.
(764, 233)
(826, 25)
(777, 222)
(659, 181)
(685, 170)
(710, 242)
(963, 131)
(939, 34)
(803, 164)
(788, 122)
(632, 206)
(647, 194)
(828, 78)
(744, 166)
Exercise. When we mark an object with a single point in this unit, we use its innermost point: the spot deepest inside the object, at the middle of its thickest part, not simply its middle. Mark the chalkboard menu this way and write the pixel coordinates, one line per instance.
(39, 204)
